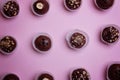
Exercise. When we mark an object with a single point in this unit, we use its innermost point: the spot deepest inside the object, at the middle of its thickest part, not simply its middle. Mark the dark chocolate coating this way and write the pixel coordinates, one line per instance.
(43, 43)
(11, 8)
(41, 7)
(77, 40)
(114, 72)
(11, 77)
(73, 4)
(45, 76)
(110, 34)
(104, 4)
(8, 44)
(80, 74)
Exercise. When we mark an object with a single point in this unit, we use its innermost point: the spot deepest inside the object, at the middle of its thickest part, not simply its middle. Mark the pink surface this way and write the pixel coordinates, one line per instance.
(60, 59)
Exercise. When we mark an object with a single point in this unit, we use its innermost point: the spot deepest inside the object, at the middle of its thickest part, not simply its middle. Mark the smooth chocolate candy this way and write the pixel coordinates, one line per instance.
(104, 4)
(11, 77)
(42, 43)
(114, 72)
(45, 76)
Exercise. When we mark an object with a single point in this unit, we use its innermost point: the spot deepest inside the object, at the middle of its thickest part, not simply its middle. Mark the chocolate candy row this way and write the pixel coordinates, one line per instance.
(11, 8)
(112, 73)
(75, 39)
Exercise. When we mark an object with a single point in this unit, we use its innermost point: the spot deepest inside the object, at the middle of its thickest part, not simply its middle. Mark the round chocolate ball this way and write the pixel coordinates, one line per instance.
(72, 4)
(40, 7)
(42, 43)
(7, 45)
(113, 72)
(10, 76)
(110, 34)
(10, 8)
(79, 74)
(76, 39)
(104, 4)
(45, 76)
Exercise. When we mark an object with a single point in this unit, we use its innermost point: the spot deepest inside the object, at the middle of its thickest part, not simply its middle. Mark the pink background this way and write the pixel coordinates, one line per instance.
(60, 59)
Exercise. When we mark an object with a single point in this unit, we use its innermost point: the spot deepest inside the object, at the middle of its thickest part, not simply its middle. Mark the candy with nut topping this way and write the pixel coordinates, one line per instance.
(77, 39)
(10, 8)
(7, 45)
(110, 34)
(72, 4)
(79, 74)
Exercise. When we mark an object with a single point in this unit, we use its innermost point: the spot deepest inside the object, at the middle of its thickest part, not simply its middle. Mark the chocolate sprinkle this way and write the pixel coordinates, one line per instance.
(43, 43)
(80, 74)
(11, 77)
(73, 4)
(104, 4)
(45, 76)
(41, 7)
(114, 72)
(110, 34)
(77, 40)
(11, 8)
(7, 44)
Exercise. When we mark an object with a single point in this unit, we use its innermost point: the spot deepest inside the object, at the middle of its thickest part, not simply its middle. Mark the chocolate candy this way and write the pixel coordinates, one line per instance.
(104, 4)
(7, 45)
(42, 42)
(77, 39)
(110, 34)
(72, 4)
(10, 76)
(79, 74)
(113, 72)
(40, 7)
(45, 76)
(10, 9)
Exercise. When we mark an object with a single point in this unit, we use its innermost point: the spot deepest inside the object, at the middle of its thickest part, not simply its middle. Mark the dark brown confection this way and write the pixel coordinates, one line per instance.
(80, 74)
(11, 9)
(114, 72)
(73, 4)
(110, 34)
(11, 77)
(45, 76)
(77, 40)
(41, 7)
(43, 43)
(7, 44)
(104, 4)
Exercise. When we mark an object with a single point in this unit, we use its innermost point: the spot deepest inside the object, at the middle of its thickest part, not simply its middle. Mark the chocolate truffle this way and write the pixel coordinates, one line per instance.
(104, 4)
(42, 43)
(110, 34)
(77, 39)
(10, 9)
(10, 76)
(113, 72)
(7, 44)
(45, 76)
(40, 7)
(79, 74)
(72, 4)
